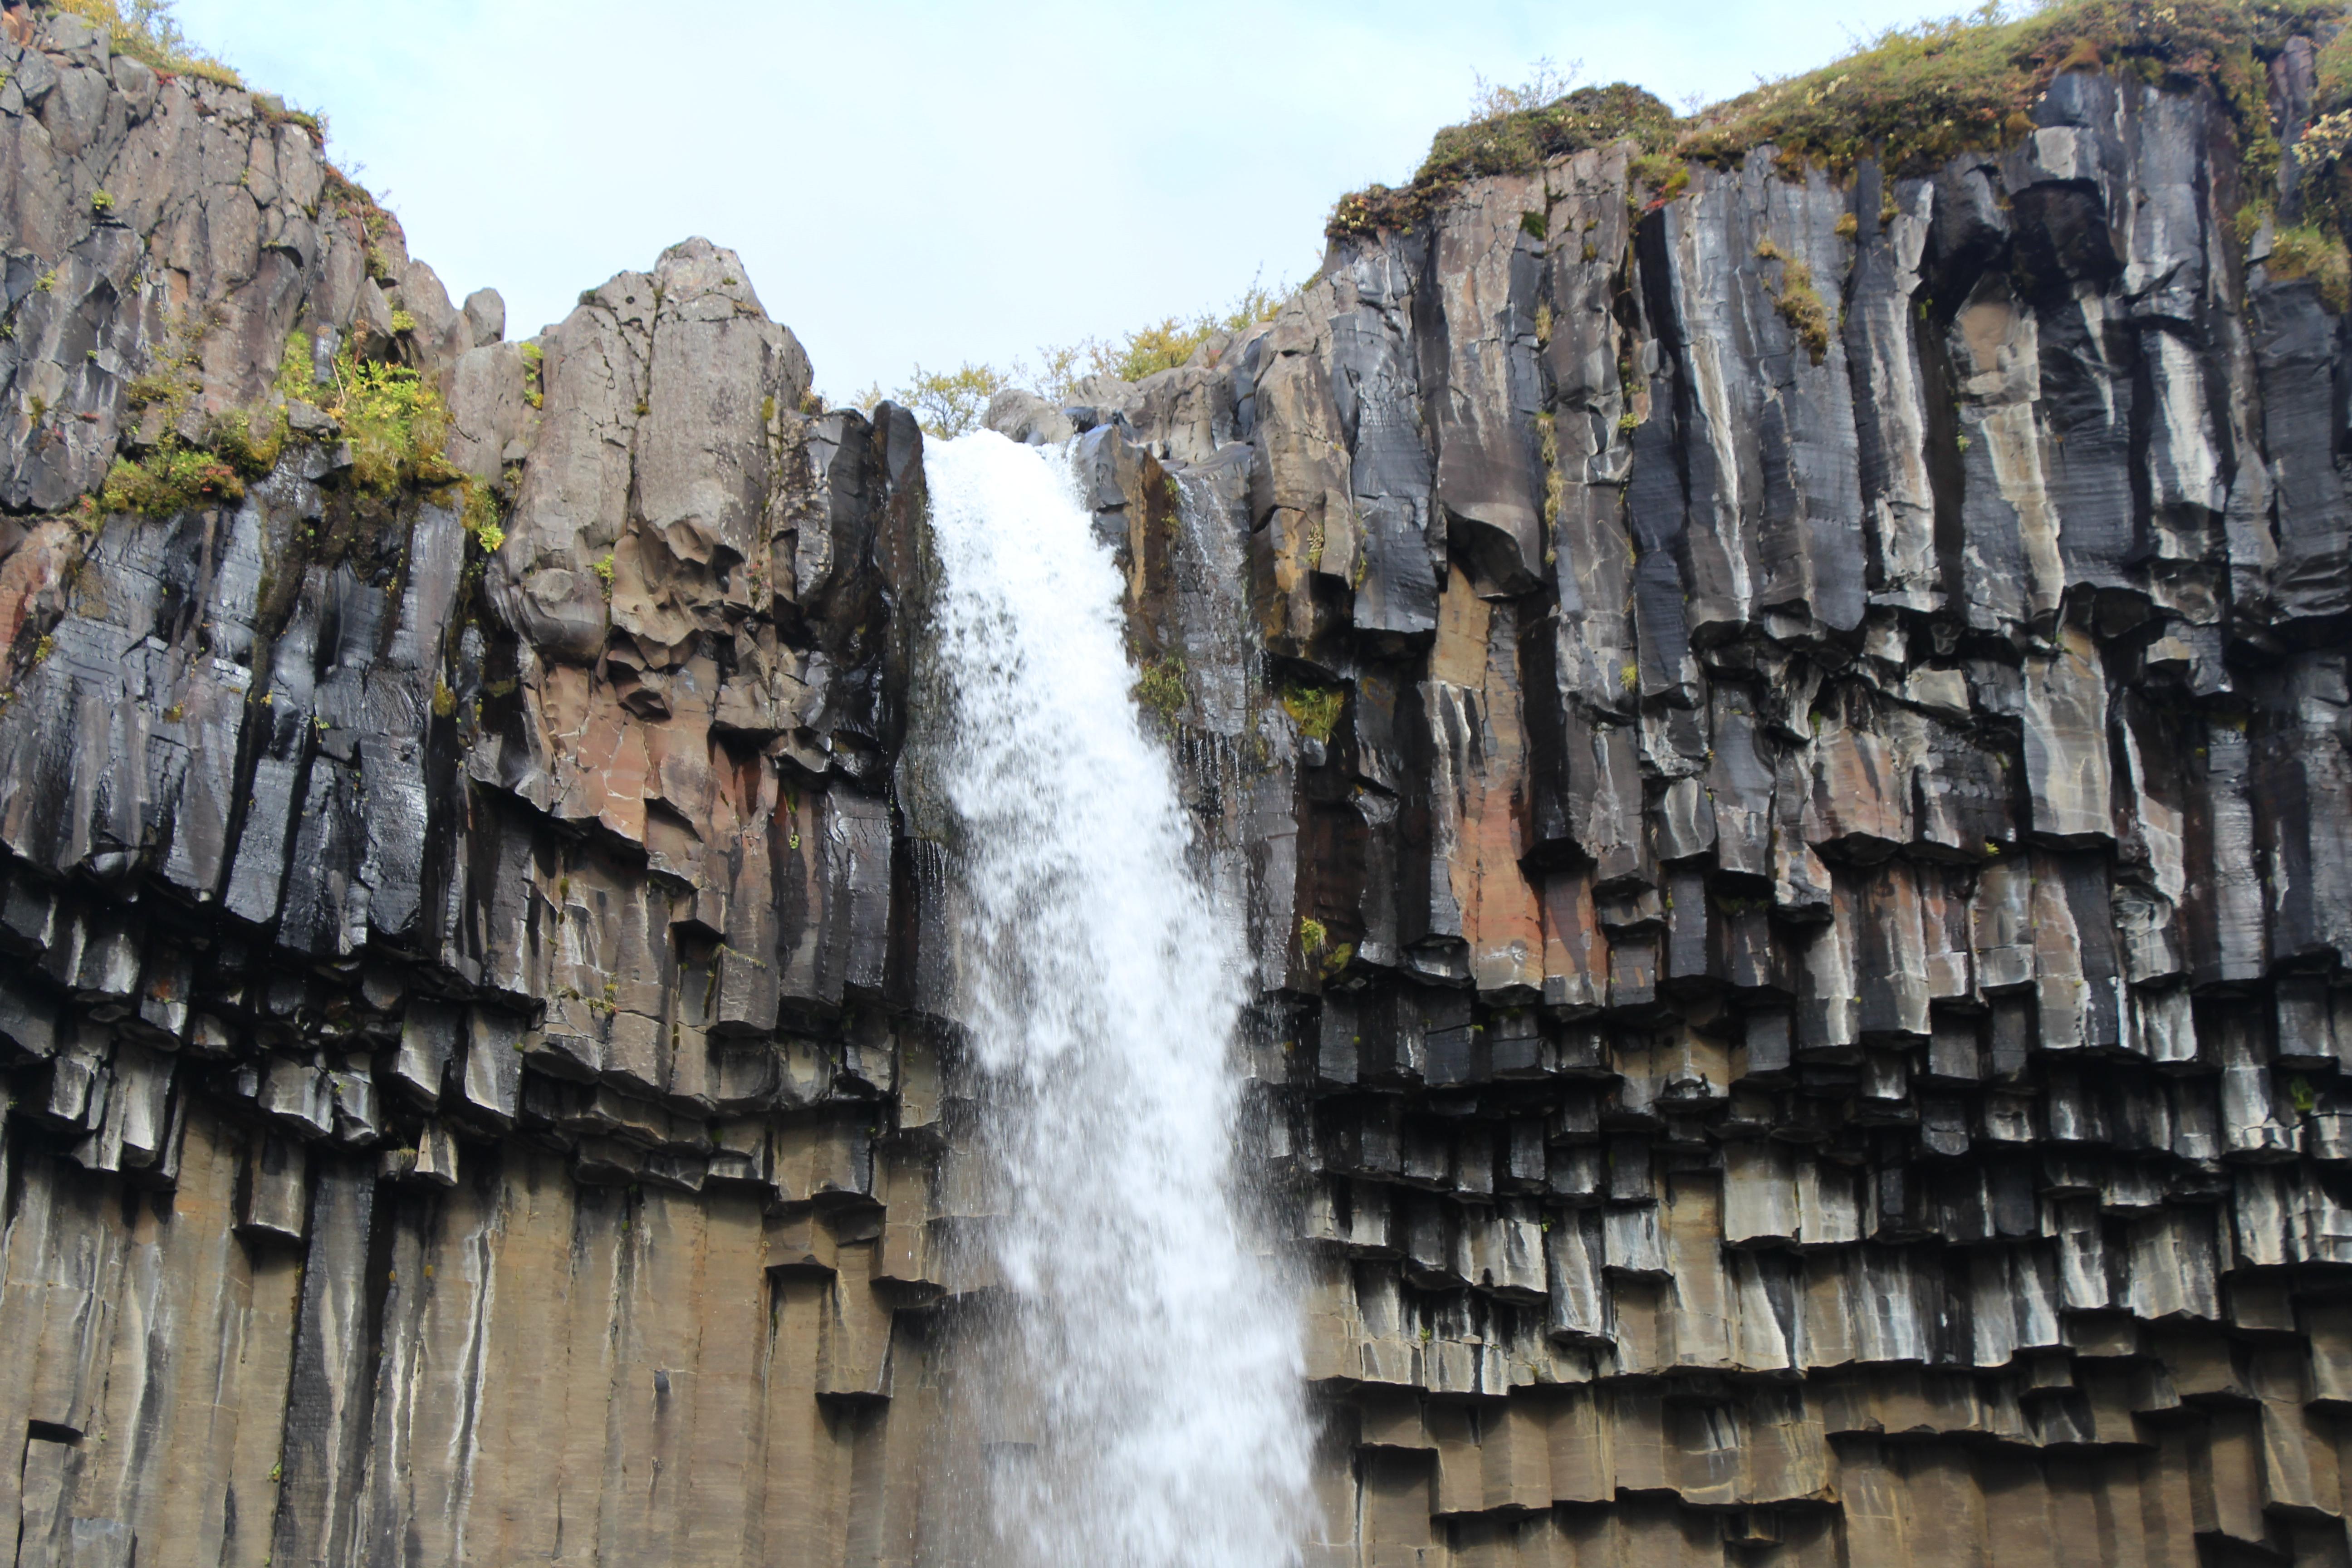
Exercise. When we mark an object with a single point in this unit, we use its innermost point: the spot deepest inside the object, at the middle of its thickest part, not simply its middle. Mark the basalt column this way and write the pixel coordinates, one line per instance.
(1764, 755)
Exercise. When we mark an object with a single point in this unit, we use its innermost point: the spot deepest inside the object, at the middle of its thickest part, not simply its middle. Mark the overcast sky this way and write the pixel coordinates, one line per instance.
(910, 180)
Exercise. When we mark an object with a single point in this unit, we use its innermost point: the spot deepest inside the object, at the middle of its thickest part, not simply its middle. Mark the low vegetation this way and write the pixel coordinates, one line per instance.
(169, 480)
(1798, 302)
(1918, 95)
(1316, 710)
(2310, 250)
(1912, 98)
(950, 403)
(1165, 345)
(392, 418)
(1513, 129)
(1160, 689)
(394, 422)
(147, 32)
(1315, 946)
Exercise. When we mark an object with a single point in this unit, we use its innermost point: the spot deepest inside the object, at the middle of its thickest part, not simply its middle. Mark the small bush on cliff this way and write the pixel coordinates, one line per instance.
(394, 423)
(482, 515)
(946, 403)
(950, 403)
(2310, 251)
(168, 482)
(1314, 708)
(1172, 342)
(250, 442)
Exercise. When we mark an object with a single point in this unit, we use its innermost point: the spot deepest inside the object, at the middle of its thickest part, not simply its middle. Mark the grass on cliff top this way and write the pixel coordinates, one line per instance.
(1912, 98)
(147, 32)
(1516, 130)
(1919, 95)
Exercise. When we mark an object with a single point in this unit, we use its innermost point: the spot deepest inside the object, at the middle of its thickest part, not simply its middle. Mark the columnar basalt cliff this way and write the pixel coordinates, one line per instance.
(1782, 741)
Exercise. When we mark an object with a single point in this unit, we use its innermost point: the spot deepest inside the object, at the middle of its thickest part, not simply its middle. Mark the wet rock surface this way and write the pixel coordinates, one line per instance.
(1795, 869)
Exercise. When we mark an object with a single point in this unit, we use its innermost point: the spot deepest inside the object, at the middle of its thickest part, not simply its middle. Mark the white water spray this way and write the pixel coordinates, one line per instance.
(1104, 991)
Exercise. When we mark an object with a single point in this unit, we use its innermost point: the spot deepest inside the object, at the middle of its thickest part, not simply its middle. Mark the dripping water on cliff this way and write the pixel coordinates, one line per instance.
(1153, 1349)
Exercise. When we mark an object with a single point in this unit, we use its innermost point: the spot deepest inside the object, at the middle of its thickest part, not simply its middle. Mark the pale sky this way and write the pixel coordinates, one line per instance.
(909, 181)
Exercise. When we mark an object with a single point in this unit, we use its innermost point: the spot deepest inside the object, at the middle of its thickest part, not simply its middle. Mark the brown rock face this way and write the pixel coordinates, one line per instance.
(1798, 890)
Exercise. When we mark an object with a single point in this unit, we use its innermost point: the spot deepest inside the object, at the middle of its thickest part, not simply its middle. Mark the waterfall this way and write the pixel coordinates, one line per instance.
(1158, 1344)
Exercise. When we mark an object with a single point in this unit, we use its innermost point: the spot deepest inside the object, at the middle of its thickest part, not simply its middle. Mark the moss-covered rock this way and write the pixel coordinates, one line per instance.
(1511, 142)
(1911, 100)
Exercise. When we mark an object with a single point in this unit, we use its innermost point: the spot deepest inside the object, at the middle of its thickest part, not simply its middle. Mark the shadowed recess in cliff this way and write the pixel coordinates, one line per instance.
(1160, 1352)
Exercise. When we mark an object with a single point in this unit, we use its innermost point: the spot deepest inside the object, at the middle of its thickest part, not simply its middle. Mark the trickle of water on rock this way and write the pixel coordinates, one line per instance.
(1161, 1347)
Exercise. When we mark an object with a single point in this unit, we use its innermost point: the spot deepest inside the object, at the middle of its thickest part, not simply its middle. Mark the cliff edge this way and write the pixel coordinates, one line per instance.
(1776, 713)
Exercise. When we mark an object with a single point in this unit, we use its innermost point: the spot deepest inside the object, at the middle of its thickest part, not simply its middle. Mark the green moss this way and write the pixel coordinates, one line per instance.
(158, 386)
(1663, 174)
(1509, 140)
(604, 570)
(1917, 96)
(1313, 938)
(273, 110)
(1798, 302)
(357, 202)
(169, 480)
(2310, 251)
(1912, 98)
(1316, 710)
(145, 30)
(1160, 689)
(236, 446)
(1316, 949)
(249, 442)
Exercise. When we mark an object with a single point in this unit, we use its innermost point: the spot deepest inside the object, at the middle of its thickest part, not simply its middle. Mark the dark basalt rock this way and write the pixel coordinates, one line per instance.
(1795, 878)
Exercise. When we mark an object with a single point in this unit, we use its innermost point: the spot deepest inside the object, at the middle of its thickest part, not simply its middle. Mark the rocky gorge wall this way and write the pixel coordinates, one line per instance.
(1794, 856)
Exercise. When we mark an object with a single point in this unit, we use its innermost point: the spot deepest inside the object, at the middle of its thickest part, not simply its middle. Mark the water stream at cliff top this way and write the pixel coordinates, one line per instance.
(1160, 1346)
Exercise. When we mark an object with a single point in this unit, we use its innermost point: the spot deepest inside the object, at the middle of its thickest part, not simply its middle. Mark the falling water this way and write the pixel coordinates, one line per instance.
(1160, 1350)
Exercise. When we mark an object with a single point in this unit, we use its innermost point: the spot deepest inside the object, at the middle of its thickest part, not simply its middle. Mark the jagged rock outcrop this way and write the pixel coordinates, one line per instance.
(1783, 749)
(1799, 805)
